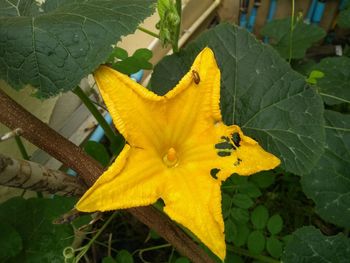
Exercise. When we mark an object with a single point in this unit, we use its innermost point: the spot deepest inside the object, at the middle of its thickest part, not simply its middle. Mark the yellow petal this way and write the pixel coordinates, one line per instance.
(134, 179)
(194, 200)
(138, 114)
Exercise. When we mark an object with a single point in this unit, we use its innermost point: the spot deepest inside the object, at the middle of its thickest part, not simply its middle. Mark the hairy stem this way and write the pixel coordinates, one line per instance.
(149, 32)
(37, 132)
(291, 33)
(32, 176)
(177, 32)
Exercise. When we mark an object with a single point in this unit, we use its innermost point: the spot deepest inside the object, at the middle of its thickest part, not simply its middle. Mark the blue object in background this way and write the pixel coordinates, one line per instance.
(252, 18)
(243, 14)
(310, 12)
(318, 13)
(270, 15)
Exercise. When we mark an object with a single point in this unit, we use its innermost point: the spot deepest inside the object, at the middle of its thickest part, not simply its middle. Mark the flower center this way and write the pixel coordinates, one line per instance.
(170, 158)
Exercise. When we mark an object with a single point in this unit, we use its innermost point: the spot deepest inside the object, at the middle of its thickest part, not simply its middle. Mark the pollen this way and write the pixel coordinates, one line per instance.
(170, 158)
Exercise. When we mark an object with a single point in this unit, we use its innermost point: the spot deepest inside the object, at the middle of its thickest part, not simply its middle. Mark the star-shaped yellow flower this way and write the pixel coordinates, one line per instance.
(178, 149)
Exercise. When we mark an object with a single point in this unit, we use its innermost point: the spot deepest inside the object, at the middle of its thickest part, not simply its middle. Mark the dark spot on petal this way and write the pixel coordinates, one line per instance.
(236, 139)
(224, 145)
(214, 172)
(225, 138)
(238, 162)
(224, 154)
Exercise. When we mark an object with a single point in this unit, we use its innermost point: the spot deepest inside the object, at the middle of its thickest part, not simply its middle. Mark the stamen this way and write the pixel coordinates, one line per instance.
(170, 158)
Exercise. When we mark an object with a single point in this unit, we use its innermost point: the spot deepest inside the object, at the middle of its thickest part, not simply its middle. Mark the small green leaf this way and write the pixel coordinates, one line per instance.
(259, 217)
(250, 189)
(182, 260)
(124, 256)
(108, 260)
(263, 179)
(309, 245)
(230, 230)
(10, 242)
(143, 53)
(242, 201)
(304, 35)
(242, 235)
(97, 151)
(256, 242)
(154, 235)
(240, 215)
(118, 53)
(231, 257)
(275, 224)
(274, 247)
(226, 205)
(238, 180)
(314, 76)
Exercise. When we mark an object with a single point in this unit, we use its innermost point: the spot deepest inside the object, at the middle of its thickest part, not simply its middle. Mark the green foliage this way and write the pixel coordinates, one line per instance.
(344, 16)
(256, 242)
(121, 61)
(274, 247)
(304, 35)
(53, 46)
(275, 224)
(309, 245)
(124, 256)
(271, 103)
(314, 76)
(329, 182)
(10, 242)
(335, 85)
(97, 151)
(32, 220)
(169, 22)
(259, 217)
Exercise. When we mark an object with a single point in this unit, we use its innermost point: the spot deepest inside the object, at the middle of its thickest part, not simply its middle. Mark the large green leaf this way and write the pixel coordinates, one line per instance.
(304, 35)
(32, 219)
(53, 46)
(259, 92)
(10, 242)
(335, 85)
(329, 182)
(344, 16)
(309, 245)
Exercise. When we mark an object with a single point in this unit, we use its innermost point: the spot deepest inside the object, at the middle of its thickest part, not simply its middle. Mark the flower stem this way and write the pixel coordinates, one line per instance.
(175, 45)
(92, 240)
(245, 252)
(21, 148)
(148, 31)
(95, 112)
(291, 32)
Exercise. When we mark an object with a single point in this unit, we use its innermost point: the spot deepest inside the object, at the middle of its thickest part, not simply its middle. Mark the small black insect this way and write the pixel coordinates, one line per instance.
(196, 77)
(214, 172)
(236, 139)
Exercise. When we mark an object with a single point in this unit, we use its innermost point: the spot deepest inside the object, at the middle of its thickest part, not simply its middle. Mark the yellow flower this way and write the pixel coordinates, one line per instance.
(178, 149)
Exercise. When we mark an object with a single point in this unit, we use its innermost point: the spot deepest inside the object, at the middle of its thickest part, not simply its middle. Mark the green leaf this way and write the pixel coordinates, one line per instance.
(344, 18)
(275, 224)
(263, 179)
(118, 53)
(335, 85)
(55, 48)
(108, 260)
(309, 245)
(124, 256)
(182, 260)
(314, 76)
(143, 53)
(259, 217)
(10, 242)
(238, 180)
(242, 201)
(259, 92)
(226, 205)
(32, 219)
(329, 183)
(256, 242)
(242, 235)
(240, 215)
(230, 230)
(231, 257)
(304, 35)
(97, 151)
(131, 65)
(249, 189)
(274, 247)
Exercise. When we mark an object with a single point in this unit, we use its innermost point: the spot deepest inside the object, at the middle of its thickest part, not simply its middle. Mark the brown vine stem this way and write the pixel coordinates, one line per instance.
(15, 116)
